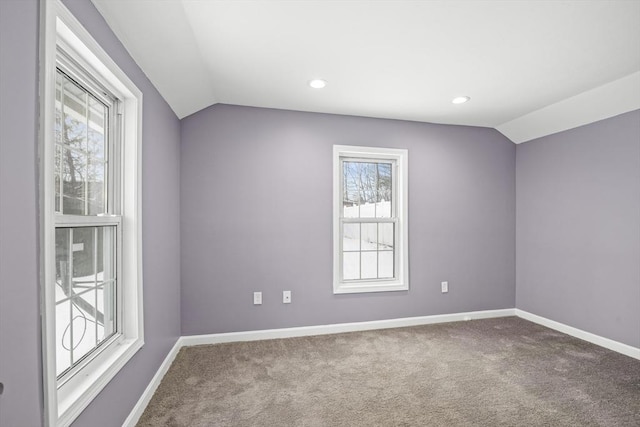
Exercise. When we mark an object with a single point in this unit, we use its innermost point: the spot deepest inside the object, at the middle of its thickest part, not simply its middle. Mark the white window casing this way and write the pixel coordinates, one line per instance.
(67, 45)
(387, 216)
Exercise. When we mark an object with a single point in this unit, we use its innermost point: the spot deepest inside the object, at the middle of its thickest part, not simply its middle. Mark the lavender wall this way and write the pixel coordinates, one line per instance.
(461, 219)
(578, 227)
(19, 328)
(20, 405)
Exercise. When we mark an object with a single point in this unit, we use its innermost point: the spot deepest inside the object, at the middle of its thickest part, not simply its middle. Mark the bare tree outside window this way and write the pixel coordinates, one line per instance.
(366, 182)
(81, 164)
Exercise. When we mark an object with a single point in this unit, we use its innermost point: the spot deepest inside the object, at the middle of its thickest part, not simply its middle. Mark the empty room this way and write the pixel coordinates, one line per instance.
(319, 213)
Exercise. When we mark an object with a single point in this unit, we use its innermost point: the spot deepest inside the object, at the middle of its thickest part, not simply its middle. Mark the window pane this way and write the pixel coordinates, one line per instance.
(83, 258)
(383, 209)
(63, 275)
(367, 183)
(96, 138)
(350, 209)
(58, 177)
(385, 264)
(367, 210)
(350, 196)
(351, 265)
(369, 236)
(74, 161)
(351, 237)
(97, 131)
(93, 259)
(384, 182)
(350, 183)
(95, 189)
(63, 337)
(84, 321)
(385, 235)
(369, 265)
(58, 141)
(106, 255)
(58, 113)
(74, 167)
(74, 131)
(106, 325)
(74, 111)
(367, 189)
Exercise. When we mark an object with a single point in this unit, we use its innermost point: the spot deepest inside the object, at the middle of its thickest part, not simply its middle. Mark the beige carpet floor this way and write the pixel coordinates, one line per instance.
(495, 372)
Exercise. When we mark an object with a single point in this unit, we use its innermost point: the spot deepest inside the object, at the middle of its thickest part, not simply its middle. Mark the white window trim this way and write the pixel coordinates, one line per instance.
(63, 404)
(401, 281)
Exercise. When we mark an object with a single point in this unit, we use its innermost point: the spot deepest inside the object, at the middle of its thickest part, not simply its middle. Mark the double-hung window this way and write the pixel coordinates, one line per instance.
(90, 198)
(88, 224)
(370, 219)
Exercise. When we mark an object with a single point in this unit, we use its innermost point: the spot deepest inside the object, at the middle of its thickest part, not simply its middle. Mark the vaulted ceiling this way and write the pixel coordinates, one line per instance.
(531, 68)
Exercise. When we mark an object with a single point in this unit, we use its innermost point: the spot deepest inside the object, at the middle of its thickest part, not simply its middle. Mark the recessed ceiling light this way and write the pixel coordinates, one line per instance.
(317, 83)
(460, 99)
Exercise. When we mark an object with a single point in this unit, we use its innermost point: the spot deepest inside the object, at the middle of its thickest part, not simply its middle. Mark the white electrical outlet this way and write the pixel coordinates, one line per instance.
(257, 298)
(286, 297)
(445, 287)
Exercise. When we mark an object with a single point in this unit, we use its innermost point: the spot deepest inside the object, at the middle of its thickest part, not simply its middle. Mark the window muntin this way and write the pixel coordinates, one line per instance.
(370, 219)
(82, 147)
(85, 293)
(87, 224)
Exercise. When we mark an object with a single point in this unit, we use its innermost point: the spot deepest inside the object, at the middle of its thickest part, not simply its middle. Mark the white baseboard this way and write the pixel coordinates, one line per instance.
(579, 333)
(304, 331)
(142, 403)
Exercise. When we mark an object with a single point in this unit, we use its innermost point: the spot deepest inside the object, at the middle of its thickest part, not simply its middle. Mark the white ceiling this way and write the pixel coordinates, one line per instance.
(531, 68)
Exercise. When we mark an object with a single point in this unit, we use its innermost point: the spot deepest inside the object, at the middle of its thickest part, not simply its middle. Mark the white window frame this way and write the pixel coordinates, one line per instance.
(65, 400)
(400, 190)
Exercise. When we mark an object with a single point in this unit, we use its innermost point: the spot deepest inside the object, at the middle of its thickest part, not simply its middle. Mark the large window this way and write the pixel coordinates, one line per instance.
(370, 219)
(87, 219)
(90, 198)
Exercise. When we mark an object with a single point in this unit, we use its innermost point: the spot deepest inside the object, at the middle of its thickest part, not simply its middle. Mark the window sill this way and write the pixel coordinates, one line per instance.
(366, 287)
(75, 395)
